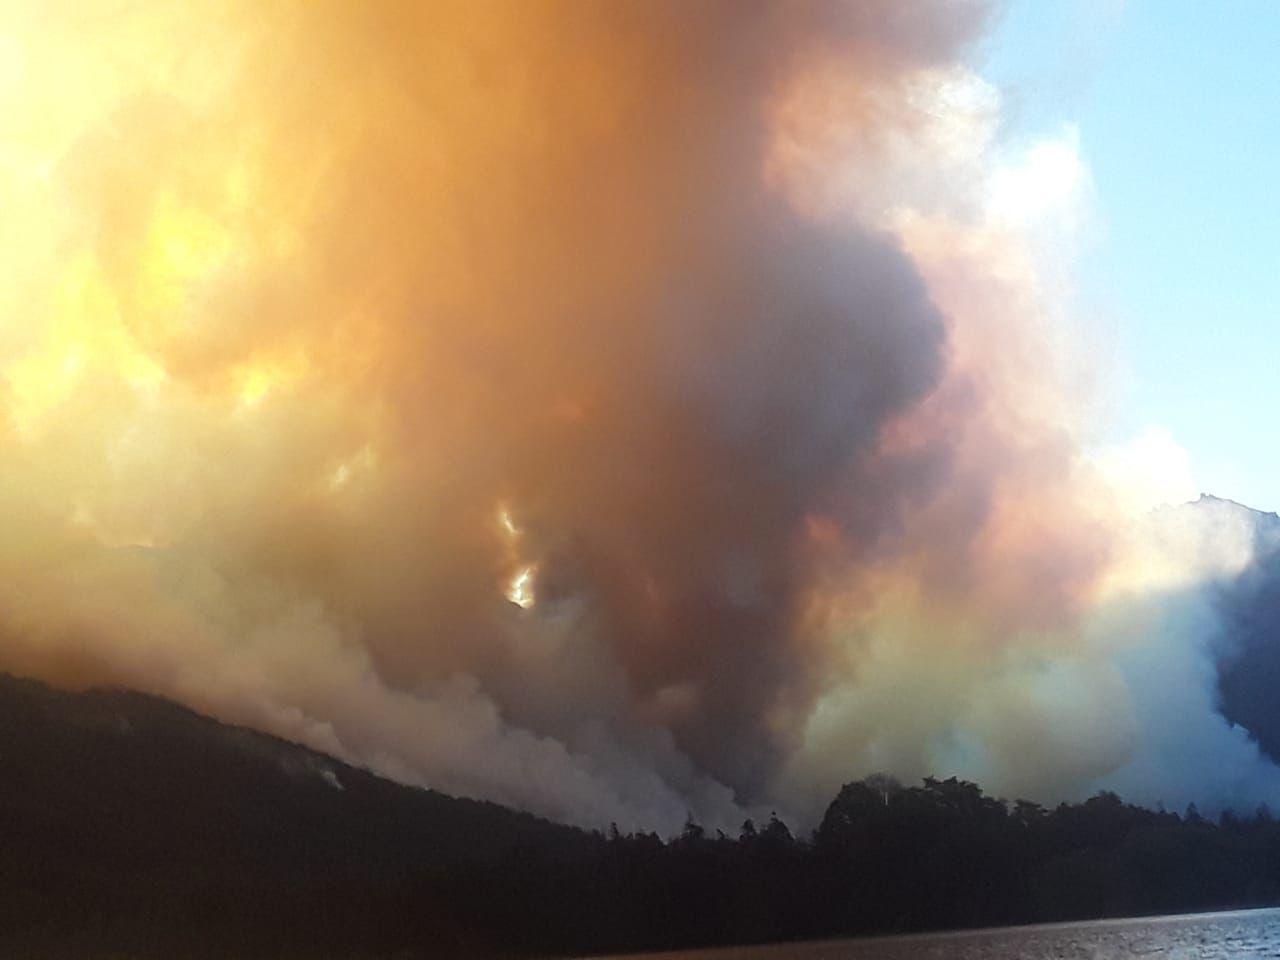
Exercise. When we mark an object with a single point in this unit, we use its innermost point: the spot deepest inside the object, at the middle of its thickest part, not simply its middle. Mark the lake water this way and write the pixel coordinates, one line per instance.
(1238, 934)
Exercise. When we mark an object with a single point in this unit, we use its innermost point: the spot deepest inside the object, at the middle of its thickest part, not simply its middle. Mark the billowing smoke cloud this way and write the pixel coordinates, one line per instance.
(618, 410)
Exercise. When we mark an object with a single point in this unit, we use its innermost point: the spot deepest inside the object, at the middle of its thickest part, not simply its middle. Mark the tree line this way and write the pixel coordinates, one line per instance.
(885, 858)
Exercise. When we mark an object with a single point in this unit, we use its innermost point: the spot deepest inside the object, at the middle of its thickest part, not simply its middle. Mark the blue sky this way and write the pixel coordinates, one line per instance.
(1178, 108)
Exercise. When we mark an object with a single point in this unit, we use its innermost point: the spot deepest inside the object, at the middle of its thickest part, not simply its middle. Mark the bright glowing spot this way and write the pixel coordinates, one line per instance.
(254, 387)
(350, 469)
(520, 590)
(509, 525)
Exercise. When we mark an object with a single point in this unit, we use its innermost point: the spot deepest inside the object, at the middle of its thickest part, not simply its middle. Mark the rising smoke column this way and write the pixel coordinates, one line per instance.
(344, 320)
(617, 410)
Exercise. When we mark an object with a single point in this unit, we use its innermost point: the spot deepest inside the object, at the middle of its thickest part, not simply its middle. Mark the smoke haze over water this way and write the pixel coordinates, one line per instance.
(614, 410)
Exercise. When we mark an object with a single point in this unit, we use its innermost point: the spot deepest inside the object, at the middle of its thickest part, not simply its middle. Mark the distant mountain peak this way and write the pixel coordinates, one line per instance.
(1206, 499)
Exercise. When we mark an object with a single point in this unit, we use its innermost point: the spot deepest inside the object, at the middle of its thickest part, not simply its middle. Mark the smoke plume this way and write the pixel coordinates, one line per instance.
(617, 410)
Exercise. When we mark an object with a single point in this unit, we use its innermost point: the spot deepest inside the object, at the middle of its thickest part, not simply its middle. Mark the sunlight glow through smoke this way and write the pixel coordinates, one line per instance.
(329, 332)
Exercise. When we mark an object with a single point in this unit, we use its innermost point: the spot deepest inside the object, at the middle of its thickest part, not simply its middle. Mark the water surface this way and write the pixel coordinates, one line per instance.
(1205, 936)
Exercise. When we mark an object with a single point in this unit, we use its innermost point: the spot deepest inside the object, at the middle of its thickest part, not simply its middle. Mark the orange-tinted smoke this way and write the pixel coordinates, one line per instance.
(326, 323)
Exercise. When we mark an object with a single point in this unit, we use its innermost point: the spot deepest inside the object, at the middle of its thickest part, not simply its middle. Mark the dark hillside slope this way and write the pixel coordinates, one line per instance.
(1249, 648)
(131, 824)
